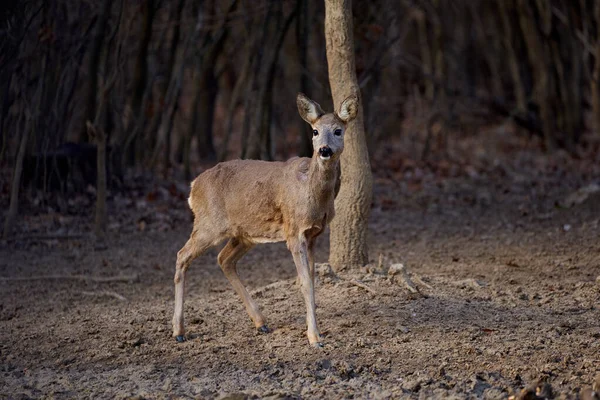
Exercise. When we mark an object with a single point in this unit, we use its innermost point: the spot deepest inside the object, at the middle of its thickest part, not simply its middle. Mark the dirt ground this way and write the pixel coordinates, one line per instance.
(509, 297)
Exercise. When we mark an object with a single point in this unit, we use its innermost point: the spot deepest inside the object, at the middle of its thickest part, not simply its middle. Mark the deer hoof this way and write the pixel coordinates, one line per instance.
(317, 345)
(180, 338)
(263, 329)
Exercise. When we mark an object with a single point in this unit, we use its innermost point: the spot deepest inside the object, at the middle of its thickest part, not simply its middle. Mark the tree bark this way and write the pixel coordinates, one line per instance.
(204, 101)
(139, 83)
(439, 62)
(32, 117)
(155, 139)
(206, 85)
(205, 90)
(172, 101)
(596, 74)
(537, 52)
(240, 84)
(13, 208)
(513, 62)
(94, 64)
(490, 47)
(302, 36)
(3, 113)
(140, 75)
(348, 235)
(426, 56)
(101, 217)
(268, 145)
(254, 105)
(99, 136)
(257, 119)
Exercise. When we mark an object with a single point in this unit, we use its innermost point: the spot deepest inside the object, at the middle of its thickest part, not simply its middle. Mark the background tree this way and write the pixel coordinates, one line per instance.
(595, 87)
(353, 203)
(196, 80)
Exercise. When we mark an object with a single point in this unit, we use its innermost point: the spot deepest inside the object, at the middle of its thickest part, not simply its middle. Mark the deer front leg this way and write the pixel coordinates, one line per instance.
(299, 250)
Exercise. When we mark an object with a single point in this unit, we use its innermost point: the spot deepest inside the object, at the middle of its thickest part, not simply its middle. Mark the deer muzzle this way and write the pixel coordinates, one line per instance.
(325, 152)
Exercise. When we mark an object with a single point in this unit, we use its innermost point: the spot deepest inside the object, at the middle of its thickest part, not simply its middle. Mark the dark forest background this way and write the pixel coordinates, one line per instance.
(165, 87)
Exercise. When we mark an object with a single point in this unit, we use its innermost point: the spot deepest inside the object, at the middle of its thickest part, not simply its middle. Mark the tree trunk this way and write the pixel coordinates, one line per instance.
(3, 113)
(155, 140)
(439, 62)
(426, 56)
(168, 133)
(349, 228)
(101, 218)
(596, 74)
(253, 119)
(32, 120)
(98, 132)
(172, 101)
(490, 46)
(204, 91)
(94, 64)
(249, 96)
(203, 105)
(259, 136)
(99, 136)
(537, 52)
(240, 83)
(13, 208)
(568, 68)
(302, 36)
(206, 86)
(508, 34)
(268, 145)
(206, 148)
(139, 83)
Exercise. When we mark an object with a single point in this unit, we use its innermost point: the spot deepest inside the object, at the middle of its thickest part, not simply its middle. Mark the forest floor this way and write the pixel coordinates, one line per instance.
(509, 297)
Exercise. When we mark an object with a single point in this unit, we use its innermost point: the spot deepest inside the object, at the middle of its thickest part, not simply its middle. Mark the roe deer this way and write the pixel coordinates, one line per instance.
(250, 202)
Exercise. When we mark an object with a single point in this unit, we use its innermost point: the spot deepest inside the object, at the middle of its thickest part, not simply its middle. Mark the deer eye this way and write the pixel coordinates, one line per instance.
(315, 133)
(337, 132)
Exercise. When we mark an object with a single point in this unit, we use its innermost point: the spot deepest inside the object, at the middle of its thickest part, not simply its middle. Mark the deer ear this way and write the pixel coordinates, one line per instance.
(309, 110)
(348, 109)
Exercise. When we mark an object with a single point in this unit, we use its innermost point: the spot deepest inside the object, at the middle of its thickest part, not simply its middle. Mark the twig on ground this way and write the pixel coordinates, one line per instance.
(362, 286)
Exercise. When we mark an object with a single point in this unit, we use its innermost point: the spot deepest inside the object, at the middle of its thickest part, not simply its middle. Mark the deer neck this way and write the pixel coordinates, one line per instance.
(322, 177)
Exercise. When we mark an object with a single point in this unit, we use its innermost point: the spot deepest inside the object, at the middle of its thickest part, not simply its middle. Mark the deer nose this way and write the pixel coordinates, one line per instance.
(325, 151)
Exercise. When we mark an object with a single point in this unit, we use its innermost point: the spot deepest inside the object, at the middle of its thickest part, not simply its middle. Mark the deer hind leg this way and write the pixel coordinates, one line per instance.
(299, 249)
(195, 246)
(233, 251)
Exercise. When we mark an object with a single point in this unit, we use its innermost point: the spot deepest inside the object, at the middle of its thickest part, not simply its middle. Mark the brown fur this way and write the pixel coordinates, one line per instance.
(272, 196)
(251, 202)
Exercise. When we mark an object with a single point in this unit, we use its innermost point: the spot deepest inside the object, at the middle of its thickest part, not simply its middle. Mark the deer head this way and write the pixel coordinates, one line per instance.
(327, 129)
